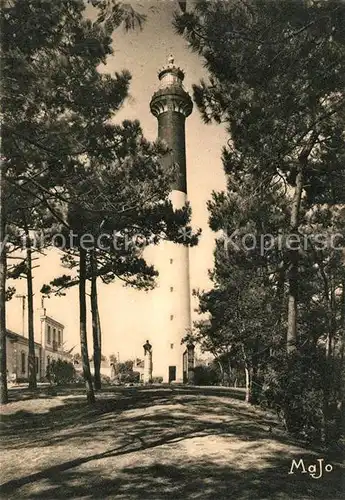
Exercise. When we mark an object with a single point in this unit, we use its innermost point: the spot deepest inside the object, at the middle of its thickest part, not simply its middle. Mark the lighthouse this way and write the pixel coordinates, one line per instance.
(171, 105)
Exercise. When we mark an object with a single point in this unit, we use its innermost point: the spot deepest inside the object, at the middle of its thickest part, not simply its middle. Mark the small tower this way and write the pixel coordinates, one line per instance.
(171, 105)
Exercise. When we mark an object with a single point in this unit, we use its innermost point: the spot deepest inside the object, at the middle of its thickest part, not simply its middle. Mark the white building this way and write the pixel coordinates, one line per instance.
(49, 348)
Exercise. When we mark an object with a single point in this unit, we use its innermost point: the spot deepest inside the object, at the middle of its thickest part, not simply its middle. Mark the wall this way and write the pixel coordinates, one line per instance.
(14, 358)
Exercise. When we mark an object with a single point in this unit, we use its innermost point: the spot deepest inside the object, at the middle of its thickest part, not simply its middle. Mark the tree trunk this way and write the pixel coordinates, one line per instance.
(221, 370)
(342, 358)
(247, 374)
(96, 326)
(293, 270)
(3, 364)
(254, 385)
(31, 333)
(280, 294)
(327, 379)
(83, 332)
(332, 319)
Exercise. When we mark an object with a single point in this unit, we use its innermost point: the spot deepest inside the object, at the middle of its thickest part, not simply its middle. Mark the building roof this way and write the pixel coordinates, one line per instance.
(52, 320)
(16, 336)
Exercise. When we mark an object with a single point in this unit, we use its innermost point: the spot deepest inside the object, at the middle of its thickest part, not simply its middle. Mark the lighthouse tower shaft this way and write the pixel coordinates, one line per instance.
(171, 105)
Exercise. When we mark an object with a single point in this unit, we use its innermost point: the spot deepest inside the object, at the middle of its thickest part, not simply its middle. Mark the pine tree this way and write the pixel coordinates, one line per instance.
(113, 205)
(3, 368)
(276, 82)
(57, 112)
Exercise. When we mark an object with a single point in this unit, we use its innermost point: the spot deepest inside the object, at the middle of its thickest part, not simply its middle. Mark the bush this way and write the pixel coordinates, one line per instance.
(206, 375)
(295, 388)
(129, 377)
(78, 378)
(61, 372)
(157, 380)
(105, 380)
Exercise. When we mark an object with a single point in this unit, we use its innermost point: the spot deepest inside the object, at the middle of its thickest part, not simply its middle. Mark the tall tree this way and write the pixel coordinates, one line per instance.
(3, 367)
(276, 82)
(83, 329)
(245, 305)
(51, 120)
(27, 238)
(129, 203)
(96, 323)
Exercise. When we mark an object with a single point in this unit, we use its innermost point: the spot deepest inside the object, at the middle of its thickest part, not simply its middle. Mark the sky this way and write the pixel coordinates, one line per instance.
(125, 313)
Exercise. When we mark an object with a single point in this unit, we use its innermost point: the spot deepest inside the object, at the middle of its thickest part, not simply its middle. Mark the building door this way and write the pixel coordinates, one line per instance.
(172, 373)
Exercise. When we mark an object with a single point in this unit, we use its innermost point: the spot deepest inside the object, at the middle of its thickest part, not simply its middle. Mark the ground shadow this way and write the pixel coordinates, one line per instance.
(132, 420)
(204, 480)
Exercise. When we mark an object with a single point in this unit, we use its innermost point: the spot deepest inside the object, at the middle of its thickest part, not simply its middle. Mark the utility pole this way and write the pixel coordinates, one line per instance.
(23, 297)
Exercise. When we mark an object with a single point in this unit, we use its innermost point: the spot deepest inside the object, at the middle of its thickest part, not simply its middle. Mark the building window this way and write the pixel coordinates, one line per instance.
(49, 335)
(36, 364)
(171, 346)
(171, 261)
(171, 288)
(54, 335)
(48, 360)
(59, 338)
(23, 362)
(171, 317)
